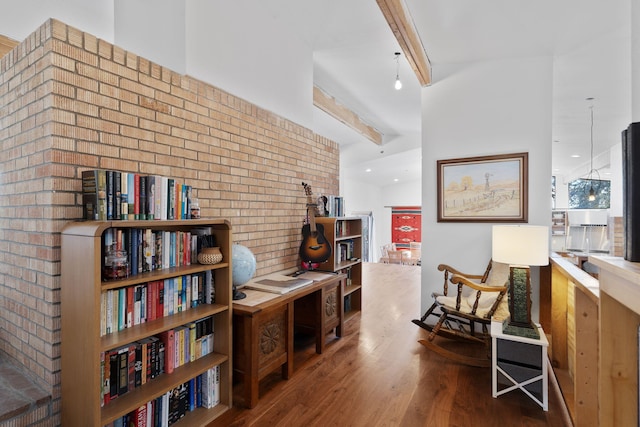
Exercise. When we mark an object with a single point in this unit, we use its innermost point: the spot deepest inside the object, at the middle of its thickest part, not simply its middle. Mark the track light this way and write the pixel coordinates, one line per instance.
(398, 84)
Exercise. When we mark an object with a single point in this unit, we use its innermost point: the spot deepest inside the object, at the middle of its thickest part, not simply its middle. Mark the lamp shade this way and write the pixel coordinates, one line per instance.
(520, 244)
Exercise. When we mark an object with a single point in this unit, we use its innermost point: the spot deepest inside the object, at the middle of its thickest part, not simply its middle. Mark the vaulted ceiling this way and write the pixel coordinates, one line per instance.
(355, 68)
(354, 62)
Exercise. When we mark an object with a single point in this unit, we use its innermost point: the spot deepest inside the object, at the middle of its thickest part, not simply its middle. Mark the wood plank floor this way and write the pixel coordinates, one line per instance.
(377, 374)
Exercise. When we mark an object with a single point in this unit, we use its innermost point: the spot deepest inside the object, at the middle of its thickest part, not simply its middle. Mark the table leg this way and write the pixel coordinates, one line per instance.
(319, 319)
(287, 368)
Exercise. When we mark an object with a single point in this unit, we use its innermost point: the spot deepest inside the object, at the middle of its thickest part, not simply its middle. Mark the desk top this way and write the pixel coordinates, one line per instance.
(257, 301)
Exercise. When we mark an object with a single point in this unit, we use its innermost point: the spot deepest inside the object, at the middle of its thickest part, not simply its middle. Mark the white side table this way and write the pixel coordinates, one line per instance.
(520, 363)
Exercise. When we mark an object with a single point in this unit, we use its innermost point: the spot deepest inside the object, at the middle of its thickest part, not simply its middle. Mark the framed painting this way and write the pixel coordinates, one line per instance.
(483, 189)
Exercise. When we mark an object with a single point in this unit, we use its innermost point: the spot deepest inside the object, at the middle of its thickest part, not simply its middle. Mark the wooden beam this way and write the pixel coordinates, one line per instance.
(402, 26)
(329, 105)
(6, 45)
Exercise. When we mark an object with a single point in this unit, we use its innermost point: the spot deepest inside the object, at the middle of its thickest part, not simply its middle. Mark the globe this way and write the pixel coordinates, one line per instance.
(243, 267)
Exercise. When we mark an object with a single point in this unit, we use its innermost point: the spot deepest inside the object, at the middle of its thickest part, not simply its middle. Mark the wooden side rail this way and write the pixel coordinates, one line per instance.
(575, 298)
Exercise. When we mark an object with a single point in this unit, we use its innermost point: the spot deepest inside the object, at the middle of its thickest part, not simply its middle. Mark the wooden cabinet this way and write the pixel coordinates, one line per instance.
(558, 230)
(82, 345)
(345, 236)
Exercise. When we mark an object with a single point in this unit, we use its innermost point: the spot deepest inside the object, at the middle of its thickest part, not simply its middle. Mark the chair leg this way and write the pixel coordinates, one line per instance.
(437, 327)
(428, 313)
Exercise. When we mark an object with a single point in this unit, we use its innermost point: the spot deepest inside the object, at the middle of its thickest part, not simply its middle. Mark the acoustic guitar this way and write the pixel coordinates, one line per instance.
(314, 247)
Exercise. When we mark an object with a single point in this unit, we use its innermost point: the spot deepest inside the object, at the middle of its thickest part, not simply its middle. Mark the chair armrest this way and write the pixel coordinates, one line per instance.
(447, 268)
(457, 279)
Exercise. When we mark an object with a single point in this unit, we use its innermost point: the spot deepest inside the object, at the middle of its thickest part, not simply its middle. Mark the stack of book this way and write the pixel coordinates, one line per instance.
(115, 195)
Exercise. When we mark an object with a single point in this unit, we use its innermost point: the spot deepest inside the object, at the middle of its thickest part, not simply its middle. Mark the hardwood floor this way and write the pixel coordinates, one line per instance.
(378, 374)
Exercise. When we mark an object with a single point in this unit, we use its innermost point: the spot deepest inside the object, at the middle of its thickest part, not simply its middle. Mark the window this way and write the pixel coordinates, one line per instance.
(579, 194)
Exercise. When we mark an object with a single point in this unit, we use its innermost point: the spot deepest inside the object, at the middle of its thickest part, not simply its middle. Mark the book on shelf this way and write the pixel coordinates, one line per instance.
(117, 194)
(124, 195)
(94, 194)
(110, 195)
(277, 283)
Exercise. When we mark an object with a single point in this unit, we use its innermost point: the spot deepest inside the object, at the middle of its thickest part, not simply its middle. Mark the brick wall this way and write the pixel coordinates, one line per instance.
(70, 102)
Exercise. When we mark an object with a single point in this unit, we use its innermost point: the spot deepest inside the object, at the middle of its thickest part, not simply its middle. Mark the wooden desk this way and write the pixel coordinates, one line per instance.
(263, 333)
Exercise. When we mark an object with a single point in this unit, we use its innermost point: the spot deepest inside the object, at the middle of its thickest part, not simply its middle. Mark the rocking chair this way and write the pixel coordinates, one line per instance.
(478, 299)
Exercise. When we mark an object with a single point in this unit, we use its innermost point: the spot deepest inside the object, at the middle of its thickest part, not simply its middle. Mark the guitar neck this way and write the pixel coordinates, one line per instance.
(311, 214)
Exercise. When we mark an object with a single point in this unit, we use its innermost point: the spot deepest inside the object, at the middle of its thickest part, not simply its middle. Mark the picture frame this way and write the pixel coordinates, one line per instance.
(484, 189)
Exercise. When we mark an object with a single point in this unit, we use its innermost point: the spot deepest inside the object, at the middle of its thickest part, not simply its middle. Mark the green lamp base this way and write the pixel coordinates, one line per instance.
(520, 331)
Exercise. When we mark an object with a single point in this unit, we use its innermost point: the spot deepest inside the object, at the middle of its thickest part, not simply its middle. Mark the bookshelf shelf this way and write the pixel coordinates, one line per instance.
(154, 327)
(348, 237)
(82, 346)
(345, 236)
(160, 275)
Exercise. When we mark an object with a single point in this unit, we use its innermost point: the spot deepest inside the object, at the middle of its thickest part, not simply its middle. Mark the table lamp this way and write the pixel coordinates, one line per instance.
(520, 246)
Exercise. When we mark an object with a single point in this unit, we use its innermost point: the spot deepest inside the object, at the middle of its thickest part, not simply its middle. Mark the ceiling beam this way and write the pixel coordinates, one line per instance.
(6, 45)
(402, 26)
(329, 105)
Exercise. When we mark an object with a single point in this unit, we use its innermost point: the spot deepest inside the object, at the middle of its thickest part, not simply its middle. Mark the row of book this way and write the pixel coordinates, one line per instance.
(200, 392)
(148, 250)
(335, 206)
(116, 195)
(343, 228)
(133, 365)
(349, 272)
(345, 250)
(129, 306)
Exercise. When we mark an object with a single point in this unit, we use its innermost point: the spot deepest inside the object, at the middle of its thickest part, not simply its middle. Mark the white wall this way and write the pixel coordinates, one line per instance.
(241, 46)
(476, 109)
(21, 18)
(156, 33)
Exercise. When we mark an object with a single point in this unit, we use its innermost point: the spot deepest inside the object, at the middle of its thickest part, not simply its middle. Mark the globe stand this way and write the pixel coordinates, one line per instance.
(238, 294)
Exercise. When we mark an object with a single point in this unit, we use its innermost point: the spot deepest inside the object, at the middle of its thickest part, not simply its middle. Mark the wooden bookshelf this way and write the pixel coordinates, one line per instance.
(345, 236)
(82, 345)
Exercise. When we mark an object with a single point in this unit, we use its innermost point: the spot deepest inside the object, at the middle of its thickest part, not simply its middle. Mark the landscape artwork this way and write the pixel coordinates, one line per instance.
(483, 189)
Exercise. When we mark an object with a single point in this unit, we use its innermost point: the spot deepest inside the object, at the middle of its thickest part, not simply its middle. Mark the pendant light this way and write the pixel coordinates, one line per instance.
(592, 192)
(398, 84)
